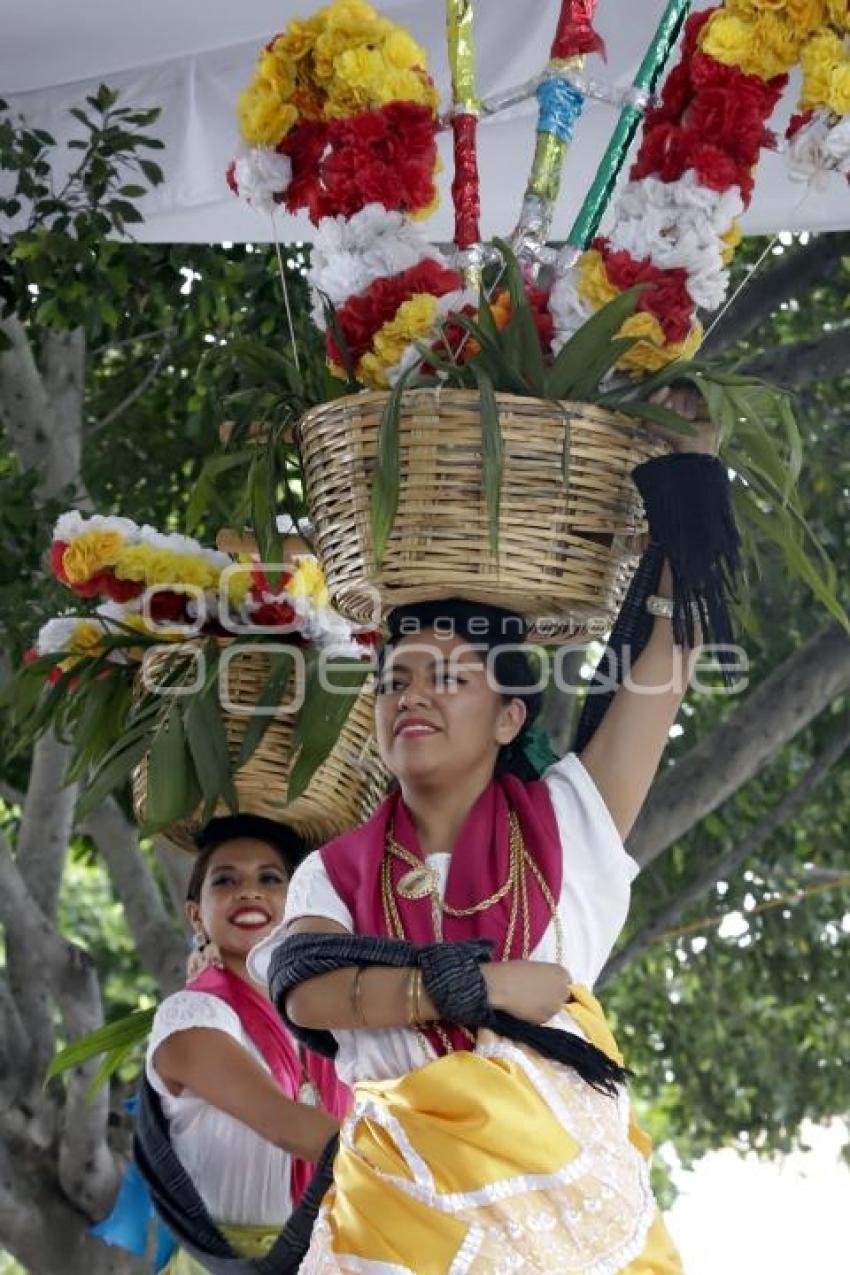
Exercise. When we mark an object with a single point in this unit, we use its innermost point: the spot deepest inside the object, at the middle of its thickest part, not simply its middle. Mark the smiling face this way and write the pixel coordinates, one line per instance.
(437, 716)
(242, 896)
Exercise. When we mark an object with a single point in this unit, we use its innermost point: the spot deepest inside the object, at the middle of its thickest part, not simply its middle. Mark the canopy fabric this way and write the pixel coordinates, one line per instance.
(191, 57)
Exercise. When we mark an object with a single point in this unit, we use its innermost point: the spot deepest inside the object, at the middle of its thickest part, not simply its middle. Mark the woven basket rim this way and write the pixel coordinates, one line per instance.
(452, 394)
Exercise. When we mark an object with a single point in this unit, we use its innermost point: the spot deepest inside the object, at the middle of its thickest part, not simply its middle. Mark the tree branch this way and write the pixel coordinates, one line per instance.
(46, 823)
(87, 1169)
(803, 362)
(136, 393)
(64, 359)
(728, 864)
(160, 946)
(176, 867)
(24, 401)
(790, 697)
(794, 275)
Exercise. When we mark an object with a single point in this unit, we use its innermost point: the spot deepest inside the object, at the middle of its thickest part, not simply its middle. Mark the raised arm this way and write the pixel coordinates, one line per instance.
(625, 751)
(218, 1069)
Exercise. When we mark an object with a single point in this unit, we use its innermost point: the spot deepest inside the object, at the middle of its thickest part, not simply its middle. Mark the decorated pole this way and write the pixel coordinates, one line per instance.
(644, 85)
(560, 104)
(466, 192)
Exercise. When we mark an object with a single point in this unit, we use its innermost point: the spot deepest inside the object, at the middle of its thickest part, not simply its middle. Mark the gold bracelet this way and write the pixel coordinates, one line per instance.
(357, 997)
(411, 998)
(417, 998)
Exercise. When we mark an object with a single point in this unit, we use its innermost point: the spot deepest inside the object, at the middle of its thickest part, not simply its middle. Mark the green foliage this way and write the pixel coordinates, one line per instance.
(53, 250)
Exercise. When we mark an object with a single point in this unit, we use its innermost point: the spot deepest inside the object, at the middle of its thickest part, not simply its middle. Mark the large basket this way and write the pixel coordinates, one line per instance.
(566, 554)
(343, 791)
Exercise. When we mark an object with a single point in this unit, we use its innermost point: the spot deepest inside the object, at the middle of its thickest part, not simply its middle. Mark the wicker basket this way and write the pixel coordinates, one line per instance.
(565, 554)
(343, 791)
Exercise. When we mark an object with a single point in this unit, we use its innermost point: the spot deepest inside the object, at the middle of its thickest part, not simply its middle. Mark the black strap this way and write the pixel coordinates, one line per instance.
(452, 977)
(182, 1210)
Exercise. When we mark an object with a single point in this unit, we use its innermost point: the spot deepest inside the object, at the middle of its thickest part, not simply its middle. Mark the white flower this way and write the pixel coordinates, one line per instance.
(72, 524)
(805, 153)
(568, 310)
(261, 173)
(837, 146)
(450, 303)
(54, 637)
(350, 253)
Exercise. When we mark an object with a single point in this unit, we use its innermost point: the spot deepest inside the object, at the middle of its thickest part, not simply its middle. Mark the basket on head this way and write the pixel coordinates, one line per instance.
(342, 792)
(566, 549)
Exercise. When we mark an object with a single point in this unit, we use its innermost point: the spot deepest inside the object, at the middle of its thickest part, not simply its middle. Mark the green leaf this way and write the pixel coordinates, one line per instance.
(322, 718)
(207, 740)
(280, 672)
(383, 504)
(172, 785)
(124, 1033)
(520, 333)
(657, 414)
(152, 171)
(113, 773)
(492, 454)
(596, 335)
(264, 512)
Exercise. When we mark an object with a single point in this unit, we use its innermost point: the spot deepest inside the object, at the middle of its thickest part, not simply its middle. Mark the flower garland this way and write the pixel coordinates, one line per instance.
(675, 224)
(819, 137)
(104, 556)
(341, 113)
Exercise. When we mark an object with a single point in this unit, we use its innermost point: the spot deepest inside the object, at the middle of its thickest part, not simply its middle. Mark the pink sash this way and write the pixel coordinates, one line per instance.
(268, 1034)
(480, 865)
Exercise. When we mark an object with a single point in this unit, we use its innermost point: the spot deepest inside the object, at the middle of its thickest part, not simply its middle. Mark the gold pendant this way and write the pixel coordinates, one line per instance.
(308, 1094)
(418, 883)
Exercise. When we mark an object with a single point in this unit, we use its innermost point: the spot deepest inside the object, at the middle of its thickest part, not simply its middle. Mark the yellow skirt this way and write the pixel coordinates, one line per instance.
(492, 1161)
(247, 1241)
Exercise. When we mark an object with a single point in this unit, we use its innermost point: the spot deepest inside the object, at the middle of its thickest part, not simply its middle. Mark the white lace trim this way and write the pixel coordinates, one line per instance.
(183, 1011)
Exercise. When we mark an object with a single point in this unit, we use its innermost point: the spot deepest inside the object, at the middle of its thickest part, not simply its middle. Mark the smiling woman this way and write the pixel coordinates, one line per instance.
(228, 1078)
(442, 954)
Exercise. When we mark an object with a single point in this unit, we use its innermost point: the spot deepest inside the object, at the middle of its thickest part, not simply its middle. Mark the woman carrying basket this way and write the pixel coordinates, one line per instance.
(444, 950)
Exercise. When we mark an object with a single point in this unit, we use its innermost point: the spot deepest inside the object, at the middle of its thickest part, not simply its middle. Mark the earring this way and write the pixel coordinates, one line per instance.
(204, 955)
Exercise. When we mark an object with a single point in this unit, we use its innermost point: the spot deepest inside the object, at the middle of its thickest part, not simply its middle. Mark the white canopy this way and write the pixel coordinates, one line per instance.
(191, 57)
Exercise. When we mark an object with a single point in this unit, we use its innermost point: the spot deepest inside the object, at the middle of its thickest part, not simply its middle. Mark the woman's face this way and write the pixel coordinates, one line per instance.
(243, 896)
(437, 716)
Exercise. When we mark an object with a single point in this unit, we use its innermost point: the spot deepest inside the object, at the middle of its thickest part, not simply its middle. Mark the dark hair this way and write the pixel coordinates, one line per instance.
(491, 627)
(286, 843)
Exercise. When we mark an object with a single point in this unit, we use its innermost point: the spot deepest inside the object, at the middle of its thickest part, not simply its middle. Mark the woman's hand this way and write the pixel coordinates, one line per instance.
(532, 990)
(687, 402)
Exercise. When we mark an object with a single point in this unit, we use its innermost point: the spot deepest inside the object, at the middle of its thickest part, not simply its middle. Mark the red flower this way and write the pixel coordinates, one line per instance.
(362, 316)
(31, 655)
(167, 607)
(368, 638)
(96, 585)
(667, 297)
(121, 590)
(797, 123)
(55, 675)
(57, 554)
(384, 156)
(230, 176)
(274, 615)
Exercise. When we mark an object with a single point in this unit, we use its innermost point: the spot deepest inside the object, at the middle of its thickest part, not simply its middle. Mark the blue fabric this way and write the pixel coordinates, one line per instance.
(560, 106)
(128, 1225)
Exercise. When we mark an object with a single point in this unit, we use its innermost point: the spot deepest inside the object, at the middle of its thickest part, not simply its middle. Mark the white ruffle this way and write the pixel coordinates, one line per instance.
(262, 175)
(568, 310)
(350, 253)
(819, 149)
(72, 524)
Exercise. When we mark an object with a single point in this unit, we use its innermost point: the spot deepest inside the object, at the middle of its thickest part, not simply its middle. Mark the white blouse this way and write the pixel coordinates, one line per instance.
(241, 1178)
(592, 908)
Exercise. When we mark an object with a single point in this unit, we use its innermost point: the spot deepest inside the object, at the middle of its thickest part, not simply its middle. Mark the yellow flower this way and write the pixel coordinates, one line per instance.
(152, 566)
(819, 59)
(87, 638)
(308, 581)
(402, 51)
(277, 69)
(839, 89)
(807, 15)
(264, 119)
(732, 238)
(652, 352)
(594, 286)
(298, 39)
(414, 320)
(839, 14)
(727, 38)
(90, 553)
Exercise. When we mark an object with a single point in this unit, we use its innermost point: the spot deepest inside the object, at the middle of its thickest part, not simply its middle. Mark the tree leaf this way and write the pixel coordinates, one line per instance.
(383, 504)
(207, 740)
(569, 369)
(123, 1033)
(322, 718)
(492, 454)
(280, 671)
